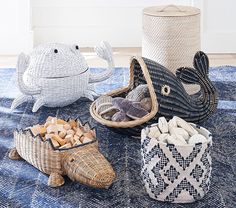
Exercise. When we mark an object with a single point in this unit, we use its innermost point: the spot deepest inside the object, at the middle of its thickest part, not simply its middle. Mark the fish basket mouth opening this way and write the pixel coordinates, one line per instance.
(138, 75)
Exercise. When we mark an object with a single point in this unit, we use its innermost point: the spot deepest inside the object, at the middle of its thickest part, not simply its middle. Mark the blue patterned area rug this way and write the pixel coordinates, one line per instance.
(21, 185)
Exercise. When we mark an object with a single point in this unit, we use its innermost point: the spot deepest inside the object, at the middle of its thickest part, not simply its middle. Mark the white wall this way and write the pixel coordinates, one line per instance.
(218, 25)
(89, 21)
(120, 22)
(15, 33)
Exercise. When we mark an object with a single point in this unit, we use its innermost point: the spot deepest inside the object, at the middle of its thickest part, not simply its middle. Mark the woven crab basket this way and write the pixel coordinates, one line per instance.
(167, 94)
(81, 163)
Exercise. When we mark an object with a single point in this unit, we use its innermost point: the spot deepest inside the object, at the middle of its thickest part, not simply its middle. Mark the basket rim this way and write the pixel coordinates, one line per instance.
(153, 96)
(38, 136)
(196, 126)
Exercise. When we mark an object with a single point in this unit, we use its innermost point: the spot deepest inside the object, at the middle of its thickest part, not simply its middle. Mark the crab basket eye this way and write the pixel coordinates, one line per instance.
(77, 47)
(55, 51)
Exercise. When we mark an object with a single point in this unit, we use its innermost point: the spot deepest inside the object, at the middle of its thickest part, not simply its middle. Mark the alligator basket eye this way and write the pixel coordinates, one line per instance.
(168, 96)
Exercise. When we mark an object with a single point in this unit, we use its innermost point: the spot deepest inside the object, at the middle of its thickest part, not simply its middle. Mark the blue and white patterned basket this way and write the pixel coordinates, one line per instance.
(177, 174)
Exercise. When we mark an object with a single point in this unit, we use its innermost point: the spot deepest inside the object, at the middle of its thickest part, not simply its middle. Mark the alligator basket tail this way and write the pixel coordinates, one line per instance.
(146, 71)
(42, 155)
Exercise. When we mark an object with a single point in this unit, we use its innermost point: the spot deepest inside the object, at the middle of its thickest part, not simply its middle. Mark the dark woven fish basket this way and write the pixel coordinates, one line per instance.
(167, 94)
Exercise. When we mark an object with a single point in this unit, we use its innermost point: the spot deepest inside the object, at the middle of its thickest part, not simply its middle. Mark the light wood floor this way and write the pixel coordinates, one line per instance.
(122, 57)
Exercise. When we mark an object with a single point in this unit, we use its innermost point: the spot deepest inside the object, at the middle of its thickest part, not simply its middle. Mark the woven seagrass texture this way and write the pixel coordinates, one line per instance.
(178, 174)
(83, 163)
(94, 171)
(171, 40)
(38, 153)
(49, 63)
(178, 102)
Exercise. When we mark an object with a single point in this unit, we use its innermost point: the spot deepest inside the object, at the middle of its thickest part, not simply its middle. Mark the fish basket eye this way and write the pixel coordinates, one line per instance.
(165, 90)
(55, 51)
(77, 47)
(72, 160)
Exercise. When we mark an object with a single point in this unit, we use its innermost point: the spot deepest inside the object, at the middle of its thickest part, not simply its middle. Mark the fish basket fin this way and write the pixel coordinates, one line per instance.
(187, 75)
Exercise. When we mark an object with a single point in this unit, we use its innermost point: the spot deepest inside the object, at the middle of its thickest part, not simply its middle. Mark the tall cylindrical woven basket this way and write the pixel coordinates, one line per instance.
(171, 36)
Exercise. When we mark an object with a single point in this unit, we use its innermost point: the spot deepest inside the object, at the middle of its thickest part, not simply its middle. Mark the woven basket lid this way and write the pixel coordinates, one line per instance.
(171, 11)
